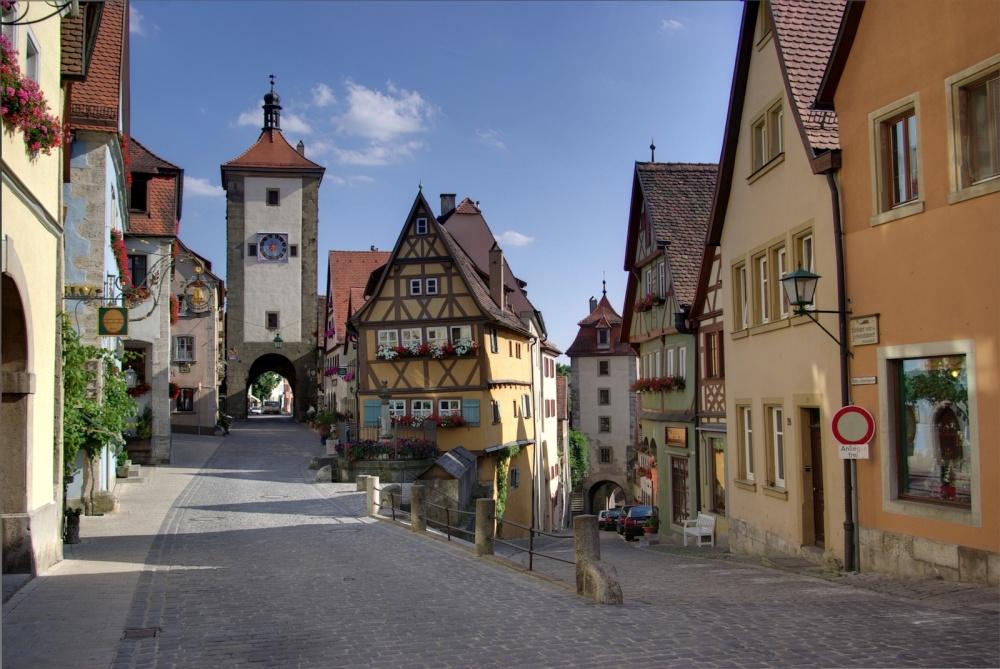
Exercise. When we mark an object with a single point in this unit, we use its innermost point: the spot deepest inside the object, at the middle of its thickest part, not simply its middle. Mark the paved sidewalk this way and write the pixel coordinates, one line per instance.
(73, 614)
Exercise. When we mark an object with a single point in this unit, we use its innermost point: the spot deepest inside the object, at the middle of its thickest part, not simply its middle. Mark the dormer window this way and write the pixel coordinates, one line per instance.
(137, 192)
(421, 226)
(603, 338)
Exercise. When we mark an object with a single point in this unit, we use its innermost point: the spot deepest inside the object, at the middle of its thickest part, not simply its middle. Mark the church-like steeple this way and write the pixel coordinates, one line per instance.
(272, 108)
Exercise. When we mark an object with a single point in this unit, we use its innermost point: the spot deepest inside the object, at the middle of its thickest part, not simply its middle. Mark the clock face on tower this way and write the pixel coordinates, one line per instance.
(272, 247)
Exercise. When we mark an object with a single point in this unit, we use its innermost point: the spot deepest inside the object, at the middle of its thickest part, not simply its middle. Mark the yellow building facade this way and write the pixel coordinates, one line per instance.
(449, 352)
(31, 239)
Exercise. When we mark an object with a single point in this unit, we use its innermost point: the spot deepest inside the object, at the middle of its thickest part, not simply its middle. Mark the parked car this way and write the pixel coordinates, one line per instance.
(255, 411)
(602, 519)
(272, 407)
(622, 513)
(636, 519)
(612, 520)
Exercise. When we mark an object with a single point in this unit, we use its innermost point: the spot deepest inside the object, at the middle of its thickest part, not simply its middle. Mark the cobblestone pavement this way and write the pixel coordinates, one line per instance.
(253, 566)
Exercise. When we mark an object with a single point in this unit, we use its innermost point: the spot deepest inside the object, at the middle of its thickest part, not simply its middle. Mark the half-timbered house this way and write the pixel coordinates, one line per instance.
(707, 319)
(666, 237)
(443, 341)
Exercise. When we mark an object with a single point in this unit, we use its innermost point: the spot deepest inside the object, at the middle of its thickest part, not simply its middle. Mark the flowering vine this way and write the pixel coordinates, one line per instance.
(121, 257)
(23, 106)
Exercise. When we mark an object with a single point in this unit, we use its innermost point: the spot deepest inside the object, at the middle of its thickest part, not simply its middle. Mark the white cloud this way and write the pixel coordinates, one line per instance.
(382, 116)
(351, 181)
(514, 238)
(671, 26)
(492, 138)
(135, 22)
(254, 118)
(376, 154)
(322, 95)
(197, 187)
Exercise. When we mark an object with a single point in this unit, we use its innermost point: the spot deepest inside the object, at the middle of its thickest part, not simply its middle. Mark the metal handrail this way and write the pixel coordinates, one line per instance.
(448, 527)
(530, 550)
(392, 504)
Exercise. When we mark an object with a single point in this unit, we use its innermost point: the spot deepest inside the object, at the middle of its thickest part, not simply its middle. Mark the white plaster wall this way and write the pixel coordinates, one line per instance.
(273, 286)
(618, 384)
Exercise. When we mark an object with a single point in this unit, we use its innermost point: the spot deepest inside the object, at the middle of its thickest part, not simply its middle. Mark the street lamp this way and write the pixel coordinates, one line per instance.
(800, 291)
(278, 341)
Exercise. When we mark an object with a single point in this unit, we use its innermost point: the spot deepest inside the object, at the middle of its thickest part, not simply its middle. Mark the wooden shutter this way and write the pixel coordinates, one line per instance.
(470, 412)
(373, 413)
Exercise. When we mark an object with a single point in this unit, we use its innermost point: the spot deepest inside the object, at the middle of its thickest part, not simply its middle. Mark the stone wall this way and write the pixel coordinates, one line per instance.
(906, 555)
(387, 471)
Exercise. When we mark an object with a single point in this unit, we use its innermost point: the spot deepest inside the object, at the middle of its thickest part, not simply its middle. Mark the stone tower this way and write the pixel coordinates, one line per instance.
(272, 214)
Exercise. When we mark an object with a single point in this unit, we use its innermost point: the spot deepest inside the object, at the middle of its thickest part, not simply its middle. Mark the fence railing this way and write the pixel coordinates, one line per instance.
(370, 433)
(530, 550)
(448, 513)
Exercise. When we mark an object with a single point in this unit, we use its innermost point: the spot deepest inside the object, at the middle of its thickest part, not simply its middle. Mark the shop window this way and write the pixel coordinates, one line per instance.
(933, 437)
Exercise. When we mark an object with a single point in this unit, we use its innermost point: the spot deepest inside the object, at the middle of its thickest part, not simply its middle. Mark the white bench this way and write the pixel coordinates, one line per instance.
(703, 526)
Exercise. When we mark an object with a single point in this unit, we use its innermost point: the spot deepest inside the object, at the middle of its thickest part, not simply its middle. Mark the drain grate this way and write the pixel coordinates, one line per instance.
(141, 632)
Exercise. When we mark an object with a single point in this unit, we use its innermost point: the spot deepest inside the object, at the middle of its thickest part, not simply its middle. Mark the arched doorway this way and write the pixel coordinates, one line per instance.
(276, 364)
(605, 495)
(15, 381)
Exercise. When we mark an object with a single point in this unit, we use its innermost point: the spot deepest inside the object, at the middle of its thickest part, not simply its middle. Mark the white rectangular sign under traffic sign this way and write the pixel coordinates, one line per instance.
(853, 451)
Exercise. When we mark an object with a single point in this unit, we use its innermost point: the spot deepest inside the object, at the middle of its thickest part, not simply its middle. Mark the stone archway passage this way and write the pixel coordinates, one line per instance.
(603, 493)
(270, 362)
(16, 386)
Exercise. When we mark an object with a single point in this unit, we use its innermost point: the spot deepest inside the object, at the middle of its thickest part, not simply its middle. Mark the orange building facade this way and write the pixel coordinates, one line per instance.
(917, 93)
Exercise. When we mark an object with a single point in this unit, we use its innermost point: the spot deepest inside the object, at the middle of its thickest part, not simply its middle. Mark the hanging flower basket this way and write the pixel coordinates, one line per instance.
(175, 390)
(138, 390)
(461, 347)
(23, 106)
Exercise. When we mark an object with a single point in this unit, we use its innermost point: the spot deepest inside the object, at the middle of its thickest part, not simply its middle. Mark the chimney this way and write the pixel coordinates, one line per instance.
(593, 304)
(497, 290)
(301, 148)
(447, 203)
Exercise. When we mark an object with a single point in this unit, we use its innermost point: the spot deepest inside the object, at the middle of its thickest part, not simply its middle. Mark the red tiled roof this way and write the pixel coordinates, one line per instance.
(603, 315)
(806, 33)
(272, 151)
(159, 219)
(467, 206)
(678, 198)
(145, 161)
(602, 312)
(95, 100)
(347, 275)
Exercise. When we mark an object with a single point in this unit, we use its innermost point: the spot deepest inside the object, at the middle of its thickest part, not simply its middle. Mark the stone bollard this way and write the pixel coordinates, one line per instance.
(594, 579)
(372, 495)
(360, 482)
(418, 518)
(486, 526)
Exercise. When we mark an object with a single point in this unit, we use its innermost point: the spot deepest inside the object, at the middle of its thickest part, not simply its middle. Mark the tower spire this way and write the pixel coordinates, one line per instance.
(604, 284)
(652, 150)
(272, 108)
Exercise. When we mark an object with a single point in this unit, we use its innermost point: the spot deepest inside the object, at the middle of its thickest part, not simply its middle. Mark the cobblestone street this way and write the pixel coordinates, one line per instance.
(255, 566)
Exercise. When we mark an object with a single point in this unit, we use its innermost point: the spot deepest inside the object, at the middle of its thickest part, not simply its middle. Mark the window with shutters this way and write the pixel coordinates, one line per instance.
(973, 109)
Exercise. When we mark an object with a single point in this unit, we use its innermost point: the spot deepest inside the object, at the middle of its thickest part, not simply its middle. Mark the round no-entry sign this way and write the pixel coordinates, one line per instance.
(853, 425)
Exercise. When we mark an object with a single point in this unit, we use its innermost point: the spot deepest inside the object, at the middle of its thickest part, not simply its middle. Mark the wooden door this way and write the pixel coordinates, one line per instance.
(679, 486)
(816, 456)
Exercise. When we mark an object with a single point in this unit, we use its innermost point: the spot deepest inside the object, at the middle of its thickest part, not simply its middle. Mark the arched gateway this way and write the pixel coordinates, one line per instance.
(272, 210)
(604, 495)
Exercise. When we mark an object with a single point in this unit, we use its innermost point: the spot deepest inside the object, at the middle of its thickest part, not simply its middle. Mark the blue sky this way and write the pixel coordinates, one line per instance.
(536, 110)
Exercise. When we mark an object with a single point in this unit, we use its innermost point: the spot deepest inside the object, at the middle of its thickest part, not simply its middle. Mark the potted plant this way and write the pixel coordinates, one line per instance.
(122, 464)
(651, 526)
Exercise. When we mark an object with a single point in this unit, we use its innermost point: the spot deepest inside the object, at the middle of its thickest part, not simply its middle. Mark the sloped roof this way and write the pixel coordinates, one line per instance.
(562, 405)
(95, 100)
(468, 227)
(602, 312)
(805, 35)
(145, 161)
(678, 199)
(272, 151)
(549, 347)
(348, 271)
(603, 316)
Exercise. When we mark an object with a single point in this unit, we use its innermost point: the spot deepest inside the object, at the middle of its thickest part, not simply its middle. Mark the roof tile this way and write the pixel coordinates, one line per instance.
(95, 101)
(678, 197)
(348, 272)
(272, 150)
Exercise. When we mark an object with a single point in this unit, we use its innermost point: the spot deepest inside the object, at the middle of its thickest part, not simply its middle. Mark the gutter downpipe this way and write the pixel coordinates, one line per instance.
(850, 466)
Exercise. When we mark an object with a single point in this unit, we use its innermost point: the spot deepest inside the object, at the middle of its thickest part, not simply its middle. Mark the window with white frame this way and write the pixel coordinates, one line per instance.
(32, 57)
(9, 28)
(662, 279)
(416, 287)
(603, 338)
(805, 255)
(671, 363)
(603, 367)
(682, 354)
(766, 132)
(421, 226)
(460, 332)
(397, 408)
(432, 286)
(763, 289)
(782, 268)
(777, 460)
(526, 406)
(450, 407)
(388, 338)
(657, 365)
(183, 348)
(740, 296)
(495, 406)
(421, 408)
(411, 337)
(649, 281)
(437, 335)
(746, 443)
(898, 159)
(604, 396)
